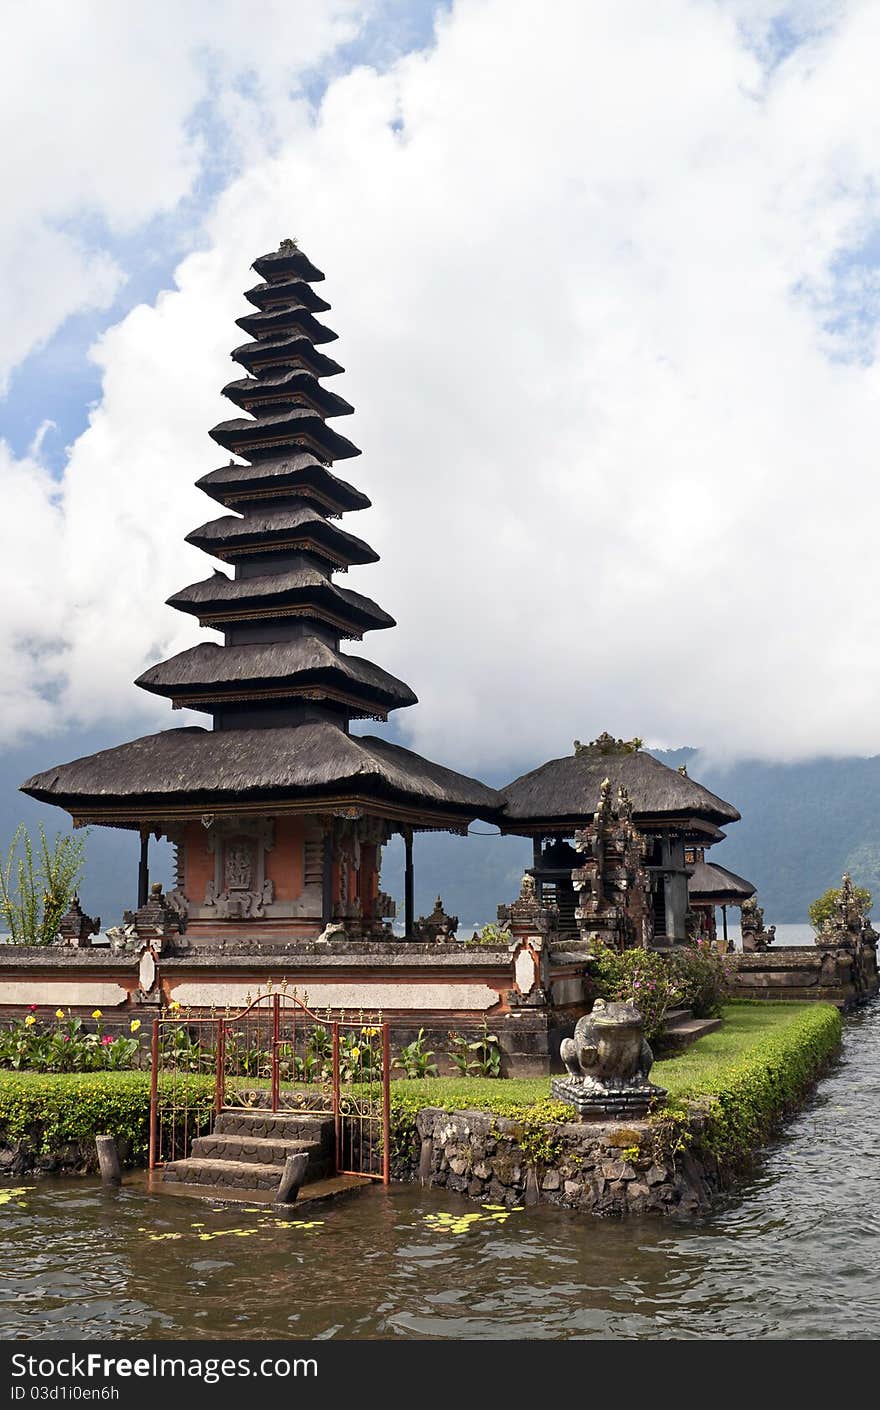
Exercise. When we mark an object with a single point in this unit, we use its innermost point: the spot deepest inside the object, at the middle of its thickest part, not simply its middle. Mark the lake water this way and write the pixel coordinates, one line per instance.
(792, 1256)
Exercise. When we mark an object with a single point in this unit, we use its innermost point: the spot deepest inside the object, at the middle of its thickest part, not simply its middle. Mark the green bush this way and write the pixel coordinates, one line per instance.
(640, 977)
(48, 1111)
(702, 977)
(38, 883)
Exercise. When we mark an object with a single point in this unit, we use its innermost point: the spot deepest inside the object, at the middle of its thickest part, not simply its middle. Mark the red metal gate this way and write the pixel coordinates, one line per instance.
(278, 1054)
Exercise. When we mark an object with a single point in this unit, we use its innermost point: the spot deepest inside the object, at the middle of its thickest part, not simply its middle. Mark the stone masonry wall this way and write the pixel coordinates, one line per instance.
(603, 1168)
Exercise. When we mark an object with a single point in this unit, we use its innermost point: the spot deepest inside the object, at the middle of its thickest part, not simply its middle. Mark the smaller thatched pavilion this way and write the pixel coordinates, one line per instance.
(671, 810)
(711, 885)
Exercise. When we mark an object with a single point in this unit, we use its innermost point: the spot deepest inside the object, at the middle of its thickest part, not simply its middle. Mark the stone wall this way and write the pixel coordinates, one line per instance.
(597, 1167)
(833, 975)
(25, 1156)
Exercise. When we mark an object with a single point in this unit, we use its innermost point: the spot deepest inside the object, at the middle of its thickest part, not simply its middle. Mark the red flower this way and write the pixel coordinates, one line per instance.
(32, 1007)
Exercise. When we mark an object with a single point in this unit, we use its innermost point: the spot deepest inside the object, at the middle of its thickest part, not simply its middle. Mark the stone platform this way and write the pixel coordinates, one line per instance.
(837, 975)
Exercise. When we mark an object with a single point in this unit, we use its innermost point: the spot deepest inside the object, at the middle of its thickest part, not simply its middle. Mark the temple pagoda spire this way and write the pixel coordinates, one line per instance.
(281, 614)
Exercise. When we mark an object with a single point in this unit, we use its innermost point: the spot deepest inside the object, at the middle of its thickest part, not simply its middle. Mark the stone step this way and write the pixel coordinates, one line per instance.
(223, 1174)
(275, 1125)
(688, 1030)
(674, 1016)
(259, 1150)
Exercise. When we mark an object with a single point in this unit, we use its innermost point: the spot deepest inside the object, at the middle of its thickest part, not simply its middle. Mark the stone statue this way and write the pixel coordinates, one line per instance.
(437, 926)
(754, 935)
(608, 1061)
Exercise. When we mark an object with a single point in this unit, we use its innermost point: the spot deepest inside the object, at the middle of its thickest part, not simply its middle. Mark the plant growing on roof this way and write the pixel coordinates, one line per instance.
(38, 883)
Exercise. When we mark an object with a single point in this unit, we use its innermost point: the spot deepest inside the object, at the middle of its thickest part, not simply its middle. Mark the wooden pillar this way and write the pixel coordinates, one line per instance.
(536, 869)
(144, 870)
(408, 907)
(724, 924)
(327, 879)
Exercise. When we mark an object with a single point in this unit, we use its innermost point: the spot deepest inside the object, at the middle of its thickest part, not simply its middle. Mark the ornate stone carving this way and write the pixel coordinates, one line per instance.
(526, 916)
(754, 935)
(239, 888)
(437, 926)
(153, 924)
(608, 1062)
(613, 886)
(76, 928)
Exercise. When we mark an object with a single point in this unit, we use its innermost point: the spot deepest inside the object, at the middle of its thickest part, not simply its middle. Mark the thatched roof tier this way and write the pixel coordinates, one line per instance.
(566, 791)
(210, 675)
(219, 600)
(298, 474)
(296, 428)
(292, 318)
(710, 882)
(293, 350)
(294, 529)
(287, 291)
(287, 262)
(291, 386)
(193, 771)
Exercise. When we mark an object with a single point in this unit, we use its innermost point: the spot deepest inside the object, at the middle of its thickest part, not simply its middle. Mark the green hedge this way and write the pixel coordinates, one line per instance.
(47, 1111)
(741, 1081)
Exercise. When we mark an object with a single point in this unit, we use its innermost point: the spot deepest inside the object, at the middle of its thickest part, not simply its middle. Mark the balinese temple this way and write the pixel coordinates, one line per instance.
(672, 812)
(277, 811)
(712, 887)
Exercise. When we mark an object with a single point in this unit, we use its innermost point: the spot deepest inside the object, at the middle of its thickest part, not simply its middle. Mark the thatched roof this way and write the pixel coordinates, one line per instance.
(285, 262)
(219, 595)
(264, 436)
(293, 381)
(272, 322)
(294, 291)
(302, 663)
(567, 790)
(710, 882)
(294, 473)
(293, 347)
(201, 766)
(285, 528)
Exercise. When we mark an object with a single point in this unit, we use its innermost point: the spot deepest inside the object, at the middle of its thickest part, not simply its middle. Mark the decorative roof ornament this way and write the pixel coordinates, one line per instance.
(289, 246)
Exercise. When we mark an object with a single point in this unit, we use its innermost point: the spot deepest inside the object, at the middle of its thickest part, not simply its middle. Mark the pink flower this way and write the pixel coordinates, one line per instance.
(32, 1007)
(106, 1039)
(67, 1037)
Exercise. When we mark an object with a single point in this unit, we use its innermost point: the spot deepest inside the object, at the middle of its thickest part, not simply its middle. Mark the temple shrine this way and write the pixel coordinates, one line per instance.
(277, 812)
(671, 812)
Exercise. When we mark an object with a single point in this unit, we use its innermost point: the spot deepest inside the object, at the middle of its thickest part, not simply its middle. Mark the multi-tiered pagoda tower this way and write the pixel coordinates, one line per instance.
(278, 812)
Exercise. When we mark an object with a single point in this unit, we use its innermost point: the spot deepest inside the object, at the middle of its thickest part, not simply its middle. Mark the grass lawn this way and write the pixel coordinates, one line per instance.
(767, 1032)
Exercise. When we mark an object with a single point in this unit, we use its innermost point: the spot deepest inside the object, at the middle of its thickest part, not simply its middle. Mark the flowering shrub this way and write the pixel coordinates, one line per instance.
(66, 1046)
(703, 977)
(640, 977)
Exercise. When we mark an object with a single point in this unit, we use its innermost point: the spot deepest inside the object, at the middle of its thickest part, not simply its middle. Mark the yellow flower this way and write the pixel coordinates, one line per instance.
(370, 1032)
(29, 1021)
(174, 1004)
(135, 1025)
(97, 1014)
(59, 1013)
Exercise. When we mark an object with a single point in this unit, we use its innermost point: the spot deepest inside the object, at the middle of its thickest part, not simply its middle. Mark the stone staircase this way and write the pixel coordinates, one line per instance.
(248, 1149)
(680, 1028)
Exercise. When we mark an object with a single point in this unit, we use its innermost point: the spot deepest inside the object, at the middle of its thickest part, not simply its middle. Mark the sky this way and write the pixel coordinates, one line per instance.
(605, 279)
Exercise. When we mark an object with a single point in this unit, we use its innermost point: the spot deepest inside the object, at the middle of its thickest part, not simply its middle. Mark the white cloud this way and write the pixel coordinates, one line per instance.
(101, 107)
(622, 464)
